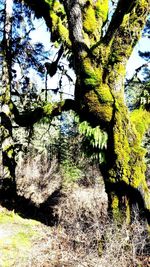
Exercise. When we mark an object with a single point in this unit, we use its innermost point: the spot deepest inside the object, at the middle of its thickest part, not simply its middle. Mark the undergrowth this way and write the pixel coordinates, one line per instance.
(84, 237)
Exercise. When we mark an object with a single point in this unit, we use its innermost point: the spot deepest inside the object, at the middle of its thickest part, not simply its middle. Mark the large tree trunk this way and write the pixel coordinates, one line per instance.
(124, 170)
(8, 156)
(100, 93)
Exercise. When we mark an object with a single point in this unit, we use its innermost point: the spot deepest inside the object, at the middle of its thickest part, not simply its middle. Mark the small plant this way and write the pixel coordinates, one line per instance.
(95, 138)
(70, 173)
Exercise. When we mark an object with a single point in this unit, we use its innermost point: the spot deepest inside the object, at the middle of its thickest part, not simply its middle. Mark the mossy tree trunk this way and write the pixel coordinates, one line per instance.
(100, 55)
(100, 69)
(8, 155)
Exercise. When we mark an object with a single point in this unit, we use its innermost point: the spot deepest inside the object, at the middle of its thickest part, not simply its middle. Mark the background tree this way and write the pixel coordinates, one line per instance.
(6, 107)
(15, 47)
(99, 44)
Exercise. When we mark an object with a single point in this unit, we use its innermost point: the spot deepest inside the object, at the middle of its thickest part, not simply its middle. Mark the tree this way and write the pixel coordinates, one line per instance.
(6, 107)
(15, 47)
(99, 44)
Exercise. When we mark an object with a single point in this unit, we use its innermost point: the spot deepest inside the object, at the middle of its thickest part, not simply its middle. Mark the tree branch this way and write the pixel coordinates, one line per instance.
(124, 38)
(74, 16)
(124, 7)
(41, 9)
(29, 118)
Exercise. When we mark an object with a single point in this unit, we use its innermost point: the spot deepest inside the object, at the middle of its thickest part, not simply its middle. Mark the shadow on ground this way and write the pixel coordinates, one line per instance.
(27, 209)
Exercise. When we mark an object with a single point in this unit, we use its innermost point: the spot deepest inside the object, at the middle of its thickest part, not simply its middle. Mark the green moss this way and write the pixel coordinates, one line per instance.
(128, 165)
(129, 156)
(99, 97)
(11, 106)
(94, 14)
(101, 9)
(88, 67)
(103, 111)
(106, 112)
(48, 108)
(105, 94)
(128, 151)
(92, 81)
(50, 2)
(59, 21)
(55, 19)
(16, 238)
(7, 217)
(87, 39)
(63, 32)
(120, 69)
(137, 164)
(10, 153)
(89, 20)
(21, 239)
(6, 145)
(116, 78)
(92, 75)
(121, 146)
(126, 37)
(141, 121)
(115, 208)
(102, 51)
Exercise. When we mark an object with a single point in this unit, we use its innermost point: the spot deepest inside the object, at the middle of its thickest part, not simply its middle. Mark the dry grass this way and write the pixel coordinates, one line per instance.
(95, 246)
(84, 237)
(37, 177)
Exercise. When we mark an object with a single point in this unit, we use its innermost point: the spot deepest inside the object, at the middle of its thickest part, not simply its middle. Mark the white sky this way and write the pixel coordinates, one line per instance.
(135, 61)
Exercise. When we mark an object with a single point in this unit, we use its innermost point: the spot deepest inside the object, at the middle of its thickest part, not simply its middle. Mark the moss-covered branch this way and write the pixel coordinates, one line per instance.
(28, 118)
(126, 34)
(54, 15)
(123, 8)
(121, 41)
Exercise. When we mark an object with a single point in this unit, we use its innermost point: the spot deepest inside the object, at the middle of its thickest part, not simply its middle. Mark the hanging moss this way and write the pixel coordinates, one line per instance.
(59, 22)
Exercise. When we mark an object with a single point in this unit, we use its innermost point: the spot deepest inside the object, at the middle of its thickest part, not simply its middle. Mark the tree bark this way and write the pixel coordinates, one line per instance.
(8, 153)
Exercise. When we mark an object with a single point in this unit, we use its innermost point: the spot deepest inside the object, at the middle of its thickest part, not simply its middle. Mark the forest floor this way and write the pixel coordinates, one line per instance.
(82, 238)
